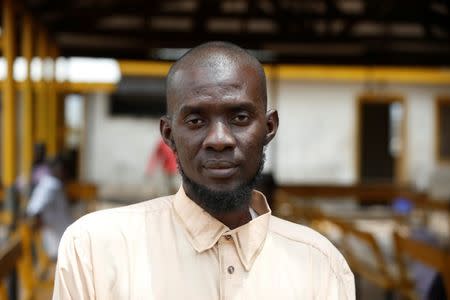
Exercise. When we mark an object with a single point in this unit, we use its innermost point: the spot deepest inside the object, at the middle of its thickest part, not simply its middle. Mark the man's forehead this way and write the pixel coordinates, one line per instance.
(223, 88)
(210, 73)
(204, 77)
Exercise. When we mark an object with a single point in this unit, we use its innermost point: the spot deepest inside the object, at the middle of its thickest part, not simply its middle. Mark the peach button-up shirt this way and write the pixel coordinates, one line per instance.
(170, 248)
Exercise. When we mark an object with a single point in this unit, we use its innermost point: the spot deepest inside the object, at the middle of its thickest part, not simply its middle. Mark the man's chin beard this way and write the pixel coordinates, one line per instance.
(216, 202)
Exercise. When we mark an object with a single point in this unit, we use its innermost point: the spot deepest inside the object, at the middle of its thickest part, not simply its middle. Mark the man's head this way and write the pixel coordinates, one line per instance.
(217, 124)
(57, 167)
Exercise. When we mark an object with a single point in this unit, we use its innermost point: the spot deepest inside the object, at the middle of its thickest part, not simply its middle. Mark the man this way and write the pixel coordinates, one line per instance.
(49, 202)
(216, 238)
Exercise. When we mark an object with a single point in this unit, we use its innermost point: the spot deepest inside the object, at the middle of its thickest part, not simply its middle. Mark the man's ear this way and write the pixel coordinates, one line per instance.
(165, 129)
(272, 125)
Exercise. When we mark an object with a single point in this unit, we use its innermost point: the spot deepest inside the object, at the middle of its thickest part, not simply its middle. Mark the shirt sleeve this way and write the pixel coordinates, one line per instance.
(73, 275)
(40, 198)
(341, 284)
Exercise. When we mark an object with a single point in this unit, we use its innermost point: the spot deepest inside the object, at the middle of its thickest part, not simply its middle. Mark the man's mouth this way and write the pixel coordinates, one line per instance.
(220, 168)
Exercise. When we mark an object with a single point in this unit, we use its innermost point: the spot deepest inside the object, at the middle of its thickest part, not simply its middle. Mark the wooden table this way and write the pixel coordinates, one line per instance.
(10, 253)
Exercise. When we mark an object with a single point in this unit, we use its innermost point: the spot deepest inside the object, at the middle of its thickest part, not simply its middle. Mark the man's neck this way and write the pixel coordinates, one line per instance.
(234, 219)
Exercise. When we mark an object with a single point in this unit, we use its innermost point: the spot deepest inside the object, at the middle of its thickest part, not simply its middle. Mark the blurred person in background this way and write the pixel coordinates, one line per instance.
(162, 158)
(40, 167)
(50, 205)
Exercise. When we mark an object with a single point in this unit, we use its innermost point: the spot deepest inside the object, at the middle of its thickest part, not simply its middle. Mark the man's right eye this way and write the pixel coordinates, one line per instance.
(194, 122)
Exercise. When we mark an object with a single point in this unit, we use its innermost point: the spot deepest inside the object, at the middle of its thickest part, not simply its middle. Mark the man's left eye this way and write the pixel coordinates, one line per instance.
(241, 119)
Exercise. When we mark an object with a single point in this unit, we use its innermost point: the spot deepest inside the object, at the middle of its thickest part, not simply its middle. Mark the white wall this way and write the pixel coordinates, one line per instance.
(421, 130)
(316, 136)
(117, 148)
(315, 142)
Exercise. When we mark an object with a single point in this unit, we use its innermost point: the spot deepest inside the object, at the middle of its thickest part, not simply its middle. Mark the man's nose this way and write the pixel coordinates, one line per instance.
(219, 138)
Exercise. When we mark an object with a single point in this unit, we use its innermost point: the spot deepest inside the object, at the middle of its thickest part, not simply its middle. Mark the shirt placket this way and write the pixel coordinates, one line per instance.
(231, 269)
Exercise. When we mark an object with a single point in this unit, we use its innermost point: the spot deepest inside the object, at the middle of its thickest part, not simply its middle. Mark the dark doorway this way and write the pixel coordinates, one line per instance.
(443, 129)
(380, 126)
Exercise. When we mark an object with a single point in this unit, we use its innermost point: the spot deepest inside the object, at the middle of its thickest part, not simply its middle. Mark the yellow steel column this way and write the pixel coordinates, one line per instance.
(42, 100)
(9, 105)
(27, 115)
(61, 126)
(53, 107)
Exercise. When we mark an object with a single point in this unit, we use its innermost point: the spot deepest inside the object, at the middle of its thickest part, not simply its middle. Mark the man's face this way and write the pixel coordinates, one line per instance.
(219, 125)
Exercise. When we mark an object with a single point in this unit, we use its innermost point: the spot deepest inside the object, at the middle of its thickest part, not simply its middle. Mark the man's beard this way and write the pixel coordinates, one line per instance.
(217, 202)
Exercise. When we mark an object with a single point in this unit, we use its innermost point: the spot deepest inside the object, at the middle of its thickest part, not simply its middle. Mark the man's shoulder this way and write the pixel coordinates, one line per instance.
(120, 218)
(304, 236)
(303, 243)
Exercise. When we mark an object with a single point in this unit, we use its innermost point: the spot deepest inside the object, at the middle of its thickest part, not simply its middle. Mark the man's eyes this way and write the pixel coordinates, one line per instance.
(241, 119)
(194, 122)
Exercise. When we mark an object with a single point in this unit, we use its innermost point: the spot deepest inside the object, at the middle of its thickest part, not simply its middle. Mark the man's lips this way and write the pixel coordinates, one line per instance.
(220, 168)
(218, 164)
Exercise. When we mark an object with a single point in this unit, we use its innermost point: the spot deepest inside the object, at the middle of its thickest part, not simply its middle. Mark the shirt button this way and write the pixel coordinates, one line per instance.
(230, 270)
(228, 237)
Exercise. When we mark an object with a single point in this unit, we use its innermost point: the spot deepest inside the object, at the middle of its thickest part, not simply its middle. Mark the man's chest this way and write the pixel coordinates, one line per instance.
(179, 272)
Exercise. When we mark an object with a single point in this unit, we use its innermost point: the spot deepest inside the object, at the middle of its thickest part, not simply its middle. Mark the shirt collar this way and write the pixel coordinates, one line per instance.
(203, 230)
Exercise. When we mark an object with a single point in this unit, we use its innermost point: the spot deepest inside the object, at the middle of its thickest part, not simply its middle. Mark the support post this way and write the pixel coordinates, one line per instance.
(8, 144)
(53, 106)
(42, 99)
(27, 106)
(9, 93)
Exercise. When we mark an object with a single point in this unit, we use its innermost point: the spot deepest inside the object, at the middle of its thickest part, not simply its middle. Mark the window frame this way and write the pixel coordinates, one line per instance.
(400, 169)
(439, 103)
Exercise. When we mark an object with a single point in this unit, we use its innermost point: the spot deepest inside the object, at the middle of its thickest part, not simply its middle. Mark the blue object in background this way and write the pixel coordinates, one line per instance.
(402, 206)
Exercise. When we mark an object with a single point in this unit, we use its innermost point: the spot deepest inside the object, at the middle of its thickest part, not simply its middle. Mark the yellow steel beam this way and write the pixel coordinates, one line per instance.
(42, 99)
(143, 68)
(438, 77)
(85, 87)
(367, 74)
(70, 87)
(27, 106)
(410, 75)
(9, 105)
(419, 76)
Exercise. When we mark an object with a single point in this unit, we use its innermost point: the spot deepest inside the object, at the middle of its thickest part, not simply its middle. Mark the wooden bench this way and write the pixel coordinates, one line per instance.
(83, 191)
(6, 217)
(362, 192)
(388, 275)
(431, 256)
(376, 270)
(32, 273)
(371, 264)
(10, 254)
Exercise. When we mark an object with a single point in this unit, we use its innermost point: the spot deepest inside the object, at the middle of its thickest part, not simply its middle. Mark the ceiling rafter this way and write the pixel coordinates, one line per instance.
(370, 31)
